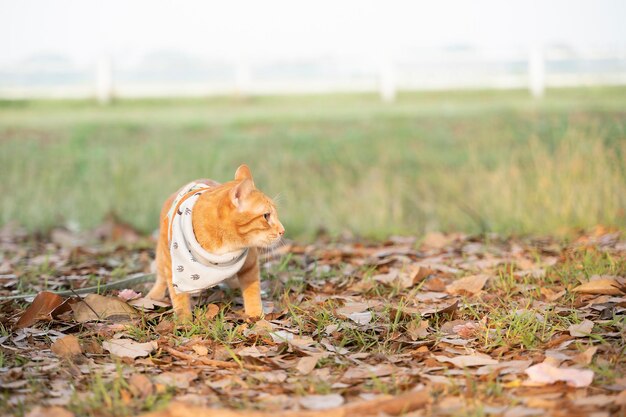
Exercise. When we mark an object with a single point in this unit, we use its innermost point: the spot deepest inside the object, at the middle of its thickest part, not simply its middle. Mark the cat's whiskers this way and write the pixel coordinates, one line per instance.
(278, 198)
(270, 249)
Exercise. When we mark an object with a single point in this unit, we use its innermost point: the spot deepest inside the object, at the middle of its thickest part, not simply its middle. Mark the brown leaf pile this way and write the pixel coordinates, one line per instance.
(444, 324)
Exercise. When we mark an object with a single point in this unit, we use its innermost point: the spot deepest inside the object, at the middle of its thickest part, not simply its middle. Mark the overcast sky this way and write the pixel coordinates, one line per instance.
(84, 29)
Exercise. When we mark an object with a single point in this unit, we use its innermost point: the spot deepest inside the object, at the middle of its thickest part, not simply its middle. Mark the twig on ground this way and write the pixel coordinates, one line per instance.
(212, 362)
(86, 303)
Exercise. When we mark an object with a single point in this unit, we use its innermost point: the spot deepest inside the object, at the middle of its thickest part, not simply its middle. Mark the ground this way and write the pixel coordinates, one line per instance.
(476, 325)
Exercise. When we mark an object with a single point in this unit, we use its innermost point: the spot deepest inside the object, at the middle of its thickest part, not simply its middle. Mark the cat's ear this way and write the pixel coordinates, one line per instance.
(243, 172)
(241, 191)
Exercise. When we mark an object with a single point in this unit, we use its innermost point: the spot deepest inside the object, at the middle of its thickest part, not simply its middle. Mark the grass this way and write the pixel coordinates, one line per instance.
(464, 161)
(111, 397)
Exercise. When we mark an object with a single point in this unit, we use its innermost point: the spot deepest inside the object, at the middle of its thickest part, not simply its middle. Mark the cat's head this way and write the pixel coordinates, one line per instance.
(253, 214)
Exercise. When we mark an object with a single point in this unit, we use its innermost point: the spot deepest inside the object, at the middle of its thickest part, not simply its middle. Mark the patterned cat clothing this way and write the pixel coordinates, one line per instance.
(193, 267)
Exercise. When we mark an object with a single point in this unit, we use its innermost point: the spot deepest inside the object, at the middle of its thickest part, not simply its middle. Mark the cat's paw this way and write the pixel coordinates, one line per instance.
(253, 312)
(183, 316)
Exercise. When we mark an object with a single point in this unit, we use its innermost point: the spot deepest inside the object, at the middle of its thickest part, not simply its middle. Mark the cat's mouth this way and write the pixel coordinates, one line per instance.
(273, 241)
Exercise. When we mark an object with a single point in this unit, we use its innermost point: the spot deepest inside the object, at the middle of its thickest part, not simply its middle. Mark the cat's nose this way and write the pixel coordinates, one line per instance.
(281, 231)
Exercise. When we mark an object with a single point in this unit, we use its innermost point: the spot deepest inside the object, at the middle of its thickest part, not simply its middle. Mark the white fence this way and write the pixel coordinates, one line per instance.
(175, 75)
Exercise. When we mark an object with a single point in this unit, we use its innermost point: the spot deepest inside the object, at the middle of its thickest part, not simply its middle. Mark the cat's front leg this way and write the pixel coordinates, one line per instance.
(250, 282)
(180, 302)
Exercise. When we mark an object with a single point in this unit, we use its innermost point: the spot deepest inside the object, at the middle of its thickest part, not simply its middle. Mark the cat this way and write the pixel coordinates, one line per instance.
(210, 232)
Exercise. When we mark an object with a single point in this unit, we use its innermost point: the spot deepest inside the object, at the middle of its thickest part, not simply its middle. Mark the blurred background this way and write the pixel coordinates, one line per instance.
(364, 117)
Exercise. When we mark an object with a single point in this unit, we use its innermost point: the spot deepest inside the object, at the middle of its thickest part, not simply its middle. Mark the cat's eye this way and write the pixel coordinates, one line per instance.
(266, 216)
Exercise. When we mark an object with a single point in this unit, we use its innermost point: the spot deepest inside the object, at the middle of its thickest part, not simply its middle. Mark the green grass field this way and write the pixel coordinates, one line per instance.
(464, 161)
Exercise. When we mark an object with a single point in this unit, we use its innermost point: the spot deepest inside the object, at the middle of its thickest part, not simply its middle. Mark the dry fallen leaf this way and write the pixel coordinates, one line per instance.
(464, 361)
(264, 324)
(388, 278)
(273, 377)
(471, 285)
(417, 330)
(128, 294)
(582, 329)
(321, 402)
(350, 308)
(92, 346)
(466, 330)
(608, 286)
(551, 295)
(356, 312)
(180, 380)
(41, 308)
(127, 348)
(281, 336)
(445, 310)
(585, 358)
(200, 350)
(505, 367)
(146, 304)
(251, 351)
(66, 347)
(333, 348)
(361, 318)
(97, 307)
(211, 311)
(367, 371)
(302, 342)
(413, 275)
(546, 373)
(140, 385)
(434, 284)
(164, 327)
(306, 364)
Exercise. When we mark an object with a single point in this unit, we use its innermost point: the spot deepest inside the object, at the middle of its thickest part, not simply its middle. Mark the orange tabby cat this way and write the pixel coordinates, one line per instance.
(201, 226)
